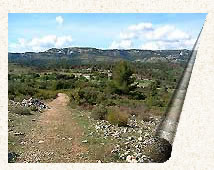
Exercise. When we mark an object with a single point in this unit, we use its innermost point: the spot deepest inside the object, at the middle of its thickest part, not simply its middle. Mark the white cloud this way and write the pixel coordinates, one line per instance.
(127, 35)
(41, 43)
(124, 44)
(155, 37)
(166, 33)
(166, 45)
(153, 46)
(59, 19)
(140, 27)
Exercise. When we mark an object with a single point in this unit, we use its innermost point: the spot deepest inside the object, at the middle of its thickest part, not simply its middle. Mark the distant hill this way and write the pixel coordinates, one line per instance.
(77, 55)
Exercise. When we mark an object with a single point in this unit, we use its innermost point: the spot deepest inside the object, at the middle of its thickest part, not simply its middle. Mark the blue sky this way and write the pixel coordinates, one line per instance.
(39, 32)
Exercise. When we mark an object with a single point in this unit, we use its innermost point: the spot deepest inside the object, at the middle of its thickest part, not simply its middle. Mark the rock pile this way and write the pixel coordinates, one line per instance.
(34, 102)
(40, 106)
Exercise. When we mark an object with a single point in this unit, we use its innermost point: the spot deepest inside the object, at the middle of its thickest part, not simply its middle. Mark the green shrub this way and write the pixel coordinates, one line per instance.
(99, 112)
(43, 85)
(21, 110)
(155, 101)
(87, 95)
(117, 117)
(18, 97)
(46, 94)
(74, 96)
(137, 95)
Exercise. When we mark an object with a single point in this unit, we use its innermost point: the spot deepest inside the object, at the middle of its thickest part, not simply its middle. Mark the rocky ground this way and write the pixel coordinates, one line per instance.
(131, 140)
(62, 134)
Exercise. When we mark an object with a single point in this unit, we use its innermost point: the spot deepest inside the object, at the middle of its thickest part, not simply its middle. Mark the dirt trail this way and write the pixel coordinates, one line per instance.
(56, 136)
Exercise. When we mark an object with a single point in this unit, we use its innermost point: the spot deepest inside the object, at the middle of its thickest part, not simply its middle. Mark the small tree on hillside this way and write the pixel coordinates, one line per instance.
(122, 79)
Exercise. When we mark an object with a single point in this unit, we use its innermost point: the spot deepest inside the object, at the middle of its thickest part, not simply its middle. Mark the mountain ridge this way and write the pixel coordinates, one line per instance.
(89, 55)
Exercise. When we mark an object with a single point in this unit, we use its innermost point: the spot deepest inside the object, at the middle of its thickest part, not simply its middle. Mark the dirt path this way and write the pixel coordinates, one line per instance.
(56, 136)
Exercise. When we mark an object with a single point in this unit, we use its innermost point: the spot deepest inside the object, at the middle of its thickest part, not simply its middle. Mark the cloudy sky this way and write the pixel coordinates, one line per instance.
(39, 32)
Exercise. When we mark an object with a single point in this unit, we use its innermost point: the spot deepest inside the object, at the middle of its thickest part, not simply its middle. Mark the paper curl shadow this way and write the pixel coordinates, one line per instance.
(167, 129)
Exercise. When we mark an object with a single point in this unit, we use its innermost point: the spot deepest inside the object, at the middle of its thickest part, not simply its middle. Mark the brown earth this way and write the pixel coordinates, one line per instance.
(56, 137)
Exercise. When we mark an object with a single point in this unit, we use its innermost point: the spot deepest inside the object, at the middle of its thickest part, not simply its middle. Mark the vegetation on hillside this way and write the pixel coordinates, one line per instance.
(122, 85)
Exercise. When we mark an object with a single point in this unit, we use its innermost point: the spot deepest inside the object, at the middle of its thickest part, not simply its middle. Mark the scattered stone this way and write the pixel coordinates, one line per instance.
(97, 127)
(130, 138)
(69, 138)
(127, 152)
(140, 131)
(99, 161)
(23, 143)
(130, 141)
(18, 133)
(41, 141)
(10, 130)
(140, 139)
(84, 141)
(134, 160)
(129, 158)
(63, 138)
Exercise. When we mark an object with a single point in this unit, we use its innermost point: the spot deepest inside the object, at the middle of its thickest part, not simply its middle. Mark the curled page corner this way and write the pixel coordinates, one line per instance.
(166, 130)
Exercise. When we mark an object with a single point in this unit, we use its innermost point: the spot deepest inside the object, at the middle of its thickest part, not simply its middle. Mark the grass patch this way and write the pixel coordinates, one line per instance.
(21, 110)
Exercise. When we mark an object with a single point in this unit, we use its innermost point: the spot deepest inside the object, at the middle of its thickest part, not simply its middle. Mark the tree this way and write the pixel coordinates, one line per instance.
(122, 78)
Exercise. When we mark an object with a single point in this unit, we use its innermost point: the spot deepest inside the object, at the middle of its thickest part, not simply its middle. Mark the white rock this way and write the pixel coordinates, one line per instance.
(84, 141)
(140, 139)
(97, 127)
(129, 158)
(140, 131)
(127, 152)
(125, 130)
(133, 160)
(41, 141)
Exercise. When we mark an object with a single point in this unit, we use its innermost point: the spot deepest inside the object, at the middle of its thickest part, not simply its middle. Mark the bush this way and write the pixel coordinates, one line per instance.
(18, 98)
(21, 110)
(155, 101)
(89, 94)
(117, 117)
(99, 112)
(85, 96)
(74, 96)
(45, 94)
(137, 95)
